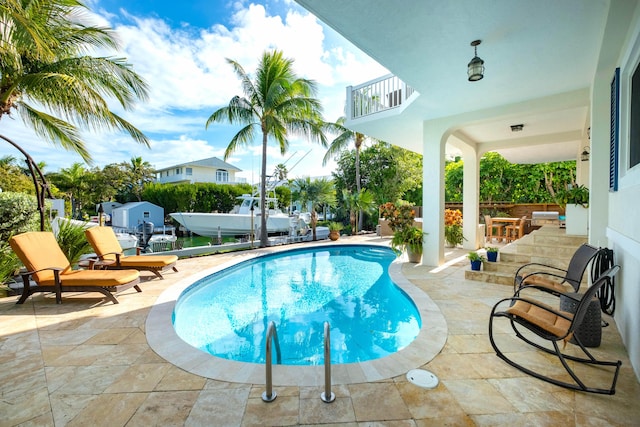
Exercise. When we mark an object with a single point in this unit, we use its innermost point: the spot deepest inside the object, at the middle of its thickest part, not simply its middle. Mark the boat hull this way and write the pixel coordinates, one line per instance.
(210, 224)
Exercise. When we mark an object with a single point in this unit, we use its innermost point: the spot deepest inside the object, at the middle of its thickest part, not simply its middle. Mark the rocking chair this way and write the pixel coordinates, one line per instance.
(556, 327)
(554, 280)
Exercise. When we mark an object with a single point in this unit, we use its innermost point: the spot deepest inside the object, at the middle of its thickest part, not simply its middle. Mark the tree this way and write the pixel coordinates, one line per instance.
(44, 65)
(139, 173)
(277, 103)
(314, 193)
(73, 180)
(340, 143)
(57, 89)
(360, 201)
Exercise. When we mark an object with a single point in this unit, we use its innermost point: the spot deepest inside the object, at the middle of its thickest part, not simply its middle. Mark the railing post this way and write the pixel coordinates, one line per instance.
(269, 395)
(327, 395)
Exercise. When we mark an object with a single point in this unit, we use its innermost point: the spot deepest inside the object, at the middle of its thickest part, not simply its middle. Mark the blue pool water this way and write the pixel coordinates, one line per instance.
(226, 314)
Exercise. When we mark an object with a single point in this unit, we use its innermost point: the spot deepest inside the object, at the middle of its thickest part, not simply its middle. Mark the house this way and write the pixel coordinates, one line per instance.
(205, 170)
(536, 81)
(132, 214)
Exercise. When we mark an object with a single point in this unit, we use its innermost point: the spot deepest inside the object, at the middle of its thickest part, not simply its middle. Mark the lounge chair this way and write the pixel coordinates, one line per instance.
(554, 280)
(51, 271)
(105, 244)
(556, 327)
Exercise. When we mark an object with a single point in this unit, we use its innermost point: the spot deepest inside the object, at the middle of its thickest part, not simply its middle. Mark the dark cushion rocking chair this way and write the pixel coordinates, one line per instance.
(555, 280)
(555, 327)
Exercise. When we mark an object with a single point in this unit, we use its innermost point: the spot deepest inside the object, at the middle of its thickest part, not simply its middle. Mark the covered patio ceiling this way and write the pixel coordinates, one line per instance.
(540, 59)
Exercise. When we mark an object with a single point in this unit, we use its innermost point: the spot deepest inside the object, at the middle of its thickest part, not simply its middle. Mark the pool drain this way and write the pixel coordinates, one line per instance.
(422, 378)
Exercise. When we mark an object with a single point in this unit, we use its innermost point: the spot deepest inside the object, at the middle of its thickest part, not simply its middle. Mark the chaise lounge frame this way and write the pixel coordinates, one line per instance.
(51, 271)
(107, 248)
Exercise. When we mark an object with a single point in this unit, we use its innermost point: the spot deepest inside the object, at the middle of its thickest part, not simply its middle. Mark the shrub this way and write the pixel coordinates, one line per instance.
(18, 213)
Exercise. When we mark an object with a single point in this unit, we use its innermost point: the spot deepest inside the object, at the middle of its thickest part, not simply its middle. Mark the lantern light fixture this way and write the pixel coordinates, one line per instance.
(584, 156)
(476, 66)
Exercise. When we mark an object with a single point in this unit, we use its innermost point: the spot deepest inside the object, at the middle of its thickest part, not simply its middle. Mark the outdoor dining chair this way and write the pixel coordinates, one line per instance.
(491, 226)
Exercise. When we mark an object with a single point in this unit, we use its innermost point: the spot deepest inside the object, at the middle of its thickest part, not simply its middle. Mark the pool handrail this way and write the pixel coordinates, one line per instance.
(327, 395)
(272, 335)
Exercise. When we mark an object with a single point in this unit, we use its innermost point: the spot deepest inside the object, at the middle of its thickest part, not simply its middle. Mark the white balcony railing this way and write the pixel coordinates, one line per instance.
(384, 93)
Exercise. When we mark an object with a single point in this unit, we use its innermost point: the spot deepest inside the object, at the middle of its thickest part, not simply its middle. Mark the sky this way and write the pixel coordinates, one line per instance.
(181, 50)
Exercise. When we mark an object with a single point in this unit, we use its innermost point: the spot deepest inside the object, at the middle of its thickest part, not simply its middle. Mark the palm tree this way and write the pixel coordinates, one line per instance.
(277, 103)
(360, 201)
(47, 78)
(74, 181)
(312, 194)
(141, 172)
(43, 66)
(340, 143)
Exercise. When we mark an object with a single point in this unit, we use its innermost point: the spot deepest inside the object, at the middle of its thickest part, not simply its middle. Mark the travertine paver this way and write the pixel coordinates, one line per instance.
(87, 363)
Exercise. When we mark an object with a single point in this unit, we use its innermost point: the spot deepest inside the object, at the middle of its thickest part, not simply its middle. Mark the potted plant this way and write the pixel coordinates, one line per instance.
(492, 254)
(453, 227)
(576, 200)
(476, 260)
(410, 238)
(334, 230)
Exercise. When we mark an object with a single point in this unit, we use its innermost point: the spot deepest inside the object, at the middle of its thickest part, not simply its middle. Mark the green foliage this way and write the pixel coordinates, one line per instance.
(335, 226)
(491, 249)
(576, 195)
(46, 69)
(18, 213)
(388, 172)
(453, 234)
(501, 181)
(360, 201)
(399, 215)
(411, 238)
(72, 240)
(475, 256)
(9, 262)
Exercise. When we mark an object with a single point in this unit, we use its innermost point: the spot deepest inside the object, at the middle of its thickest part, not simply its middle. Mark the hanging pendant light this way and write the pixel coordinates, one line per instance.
(476, 66)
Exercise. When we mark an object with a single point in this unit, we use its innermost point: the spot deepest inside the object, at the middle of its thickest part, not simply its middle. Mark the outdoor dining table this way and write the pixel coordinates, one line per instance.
(504, 220)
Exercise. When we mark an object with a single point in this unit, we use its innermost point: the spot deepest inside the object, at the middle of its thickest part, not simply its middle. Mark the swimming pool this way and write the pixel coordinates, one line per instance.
(226, 314)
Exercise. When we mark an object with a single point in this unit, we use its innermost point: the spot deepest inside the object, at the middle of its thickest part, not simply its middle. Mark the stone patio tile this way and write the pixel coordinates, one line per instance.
(223, 407)
(478, 397)
(138, 378)
(167, 408)
(378, 401)
(283, 411)
(177, 379)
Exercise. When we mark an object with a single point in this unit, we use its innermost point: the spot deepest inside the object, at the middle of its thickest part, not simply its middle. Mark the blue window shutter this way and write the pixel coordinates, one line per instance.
(614, 141)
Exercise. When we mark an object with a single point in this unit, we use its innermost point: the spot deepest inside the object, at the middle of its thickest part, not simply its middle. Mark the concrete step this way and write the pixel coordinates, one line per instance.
(549, 245)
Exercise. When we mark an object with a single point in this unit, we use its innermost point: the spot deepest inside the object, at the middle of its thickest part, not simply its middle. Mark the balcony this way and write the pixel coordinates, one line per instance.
(383, 94)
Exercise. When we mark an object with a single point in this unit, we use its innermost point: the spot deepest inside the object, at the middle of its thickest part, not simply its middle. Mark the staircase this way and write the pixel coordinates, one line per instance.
(548, 245)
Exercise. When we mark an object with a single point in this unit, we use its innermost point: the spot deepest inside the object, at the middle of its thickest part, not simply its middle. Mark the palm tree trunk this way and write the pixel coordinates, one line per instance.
(264, 237)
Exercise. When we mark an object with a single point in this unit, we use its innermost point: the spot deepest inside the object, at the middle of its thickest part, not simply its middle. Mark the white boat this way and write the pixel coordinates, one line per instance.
(240, 220)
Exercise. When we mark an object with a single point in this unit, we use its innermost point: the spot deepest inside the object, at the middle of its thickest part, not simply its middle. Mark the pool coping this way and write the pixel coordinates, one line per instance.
(163, 339)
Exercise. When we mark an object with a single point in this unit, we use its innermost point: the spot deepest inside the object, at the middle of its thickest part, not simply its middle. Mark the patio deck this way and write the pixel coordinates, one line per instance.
(86, 363)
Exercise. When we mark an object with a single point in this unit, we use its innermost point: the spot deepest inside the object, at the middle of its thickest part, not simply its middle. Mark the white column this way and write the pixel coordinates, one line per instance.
(471, 197)
(433, 194)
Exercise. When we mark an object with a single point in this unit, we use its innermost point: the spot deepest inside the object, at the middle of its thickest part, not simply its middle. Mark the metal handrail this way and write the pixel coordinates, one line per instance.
(272, 335)
(327, 395)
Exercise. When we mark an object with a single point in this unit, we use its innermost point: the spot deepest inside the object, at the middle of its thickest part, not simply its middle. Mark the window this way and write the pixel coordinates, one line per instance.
(222, 175)
(634, 122)
(146, 214)
(614, 134)
(178, 171)
(189, 171)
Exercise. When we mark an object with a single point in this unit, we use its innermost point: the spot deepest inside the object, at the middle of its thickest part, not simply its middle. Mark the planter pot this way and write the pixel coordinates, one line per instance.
(413, 256)
(577, 220)
(492, 256)
(334, 235)
(475, 265)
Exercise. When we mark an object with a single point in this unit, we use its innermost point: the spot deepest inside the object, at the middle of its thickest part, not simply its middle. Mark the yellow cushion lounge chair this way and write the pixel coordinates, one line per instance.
(104, 242)
(51, 270)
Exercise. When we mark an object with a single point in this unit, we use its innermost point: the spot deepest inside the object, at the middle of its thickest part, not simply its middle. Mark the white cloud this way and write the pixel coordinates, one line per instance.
(189, 78)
